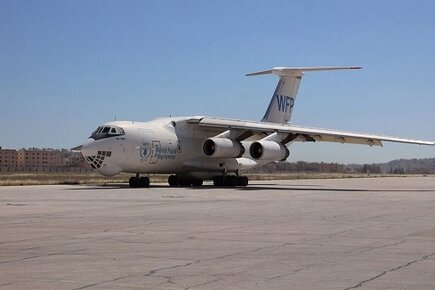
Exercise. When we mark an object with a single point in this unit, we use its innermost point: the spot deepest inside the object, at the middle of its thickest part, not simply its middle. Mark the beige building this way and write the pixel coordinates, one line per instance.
(38, 157)
(8, 157)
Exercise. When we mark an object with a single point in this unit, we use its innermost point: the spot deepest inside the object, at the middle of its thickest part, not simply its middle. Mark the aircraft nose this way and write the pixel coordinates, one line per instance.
(88, 148)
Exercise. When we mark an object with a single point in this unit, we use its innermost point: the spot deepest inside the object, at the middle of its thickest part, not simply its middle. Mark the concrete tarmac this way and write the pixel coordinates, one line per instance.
(306, 234)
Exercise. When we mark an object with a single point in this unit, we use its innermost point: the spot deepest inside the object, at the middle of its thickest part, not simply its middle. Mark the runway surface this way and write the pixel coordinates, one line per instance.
(307, 234)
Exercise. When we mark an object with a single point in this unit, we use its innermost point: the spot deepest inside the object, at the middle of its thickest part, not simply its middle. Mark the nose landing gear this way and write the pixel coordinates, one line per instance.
(136, 181)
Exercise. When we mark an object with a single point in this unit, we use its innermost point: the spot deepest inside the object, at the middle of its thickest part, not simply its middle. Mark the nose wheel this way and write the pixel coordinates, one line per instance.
(136, 181)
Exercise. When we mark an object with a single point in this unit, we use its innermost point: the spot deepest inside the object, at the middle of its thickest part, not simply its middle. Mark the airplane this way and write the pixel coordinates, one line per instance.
(197, 148)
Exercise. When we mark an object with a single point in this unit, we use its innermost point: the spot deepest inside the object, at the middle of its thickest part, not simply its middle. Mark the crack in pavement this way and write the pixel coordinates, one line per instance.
(231, 255)
(391, 270)
(99, 283)
(378, 247)
(306, 267)
(44, 255)
(242, 241)
(14, 242)
(154, 271)
(246, 252)
(135, 276)
(146, 242)
(205, 283)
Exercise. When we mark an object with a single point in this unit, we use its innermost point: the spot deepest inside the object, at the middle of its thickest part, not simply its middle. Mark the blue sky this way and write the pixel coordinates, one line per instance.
(67, 66)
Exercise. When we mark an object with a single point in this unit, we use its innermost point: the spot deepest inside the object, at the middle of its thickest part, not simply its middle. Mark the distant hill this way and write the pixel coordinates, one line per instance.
(399, 166)
(426, 165)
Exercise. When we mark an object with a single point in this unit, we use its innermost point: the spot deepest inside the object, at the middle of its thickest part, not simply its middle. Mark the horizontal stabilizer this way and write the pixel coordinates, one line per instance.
(283, 99)
(77, 148)
(298, 71)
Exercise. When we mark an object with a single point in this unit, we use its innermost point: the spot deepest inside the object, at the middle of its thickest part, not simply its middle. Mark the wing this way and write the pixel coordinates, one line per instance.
(299, 133)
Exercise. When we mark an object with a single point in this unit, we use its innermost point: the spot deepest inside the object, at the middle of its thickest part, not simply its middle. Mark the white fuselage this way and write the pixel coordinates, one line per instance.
(167, 145)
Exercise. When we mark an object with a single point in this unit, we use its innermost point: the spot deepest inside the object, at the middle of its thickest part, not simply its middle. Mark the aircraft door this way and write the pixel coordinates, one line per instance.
(155, 149)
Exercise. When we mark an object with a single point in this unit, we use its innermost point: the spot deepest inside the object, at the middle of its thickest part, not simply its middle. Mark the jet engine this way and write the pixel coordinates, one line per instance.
(222, 147)
(268, 150)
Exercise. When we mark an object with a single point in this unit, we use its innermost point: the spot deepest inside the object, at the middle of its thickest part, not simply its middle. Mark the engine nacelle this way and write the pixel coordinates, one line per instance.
(268, 150)
(222, 147)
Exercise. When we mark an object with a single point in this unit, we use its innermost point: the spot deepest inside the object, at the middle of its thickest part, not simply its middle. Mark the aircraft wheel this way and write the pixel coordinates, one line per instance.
(133, 182)
(136, 182)
(243, 181)
(185, 182)
(173, 180)
(231, 180)
(218, 180)
(224, 180)
(197, 182)
(144, 182)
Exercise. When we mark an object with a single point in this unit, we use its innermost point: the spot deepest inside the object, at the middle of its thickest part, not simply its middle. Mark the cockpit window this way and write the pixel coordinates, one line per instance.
(96, 131)
(107, 131)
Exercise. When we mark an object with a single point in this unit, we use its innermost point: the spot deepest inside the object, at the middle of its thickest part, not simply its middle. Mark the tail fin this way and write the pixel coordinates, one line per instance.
(281, 105)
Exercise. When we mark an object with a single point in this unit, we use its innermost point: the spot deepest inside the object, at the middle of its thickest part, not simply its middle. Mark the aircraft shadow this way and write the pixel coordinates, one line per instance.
(256, 187)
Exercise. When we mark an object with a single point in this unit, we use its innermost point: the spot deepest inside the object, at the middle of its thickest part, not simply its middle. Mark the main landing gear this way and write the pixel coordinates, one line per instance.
(230, 180)
(175, 180)
(221, 180)
(136, 181)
